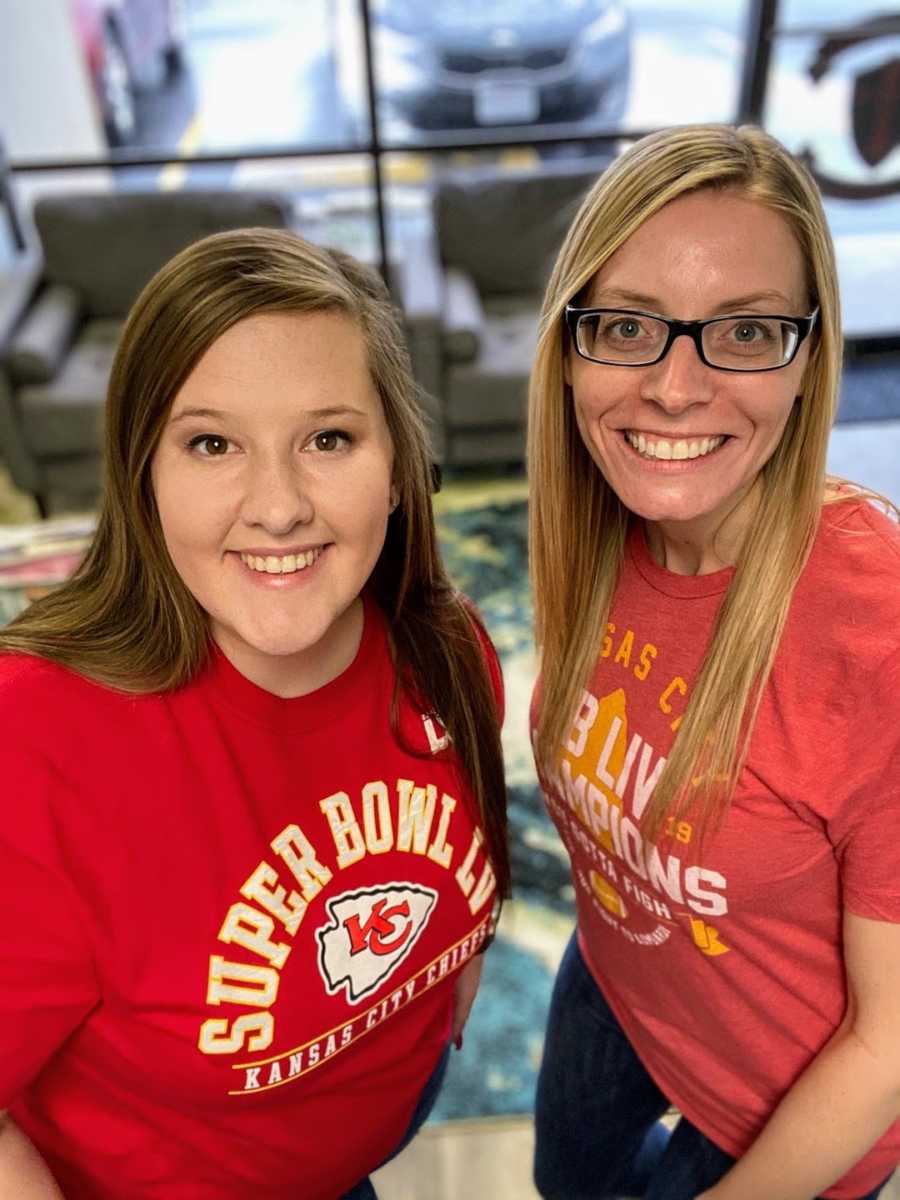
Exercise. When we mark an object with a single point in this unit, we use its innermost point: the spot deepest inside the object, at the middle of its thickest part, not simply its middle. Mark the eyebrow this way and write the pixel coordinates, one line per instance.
(317, 414)
(623, 296)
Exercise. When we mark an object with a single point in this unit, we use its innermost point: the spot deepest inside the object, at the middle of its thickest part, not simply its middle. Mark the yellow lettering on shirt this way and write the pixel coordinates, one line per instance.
(246, 926)
(348, 838)
(298, 853)
(255, 1030)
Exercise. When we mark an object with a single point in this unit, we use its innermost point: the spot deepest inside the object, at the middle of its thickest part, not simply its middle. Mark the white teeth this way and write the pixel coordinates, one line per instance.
(284, 564)
(665, 450)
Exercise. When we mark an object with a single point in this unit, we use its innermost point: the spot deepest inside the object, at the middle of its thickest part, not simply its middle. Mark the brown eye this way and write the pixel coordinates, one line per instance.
(330, 440)
(210, 445)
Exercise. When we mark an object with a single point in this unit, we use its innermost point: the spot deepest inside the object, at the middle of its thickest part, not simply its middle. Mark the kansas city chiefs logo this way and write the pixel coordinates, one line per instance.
(370, 932)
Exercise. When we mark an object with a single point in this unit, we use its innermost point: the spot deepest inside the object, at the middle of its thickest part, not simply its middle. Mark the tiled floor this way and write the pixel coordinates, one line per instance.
(458, 1160)
(489, 1159)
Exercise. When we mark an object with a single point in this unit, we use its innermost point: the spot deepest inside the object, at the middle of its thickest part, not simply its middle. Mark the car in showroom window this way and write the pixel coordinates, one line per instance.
(130, 46)
(459, 65)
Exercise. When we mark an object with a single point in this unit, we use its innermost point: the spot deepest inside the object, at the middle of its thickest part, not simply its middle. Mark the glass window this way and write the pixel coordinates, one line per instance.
(834, 99)
(486, 71)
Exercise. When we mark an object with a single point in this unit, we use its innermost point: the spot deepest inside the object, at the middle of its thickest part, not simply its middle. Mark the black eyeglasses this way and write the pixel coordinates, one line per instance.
(621, 337)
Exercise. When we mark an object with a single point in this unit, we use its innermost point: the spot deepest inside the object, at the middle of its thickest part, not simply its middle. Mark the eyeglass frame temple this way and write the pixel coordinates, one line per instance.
(691, 329)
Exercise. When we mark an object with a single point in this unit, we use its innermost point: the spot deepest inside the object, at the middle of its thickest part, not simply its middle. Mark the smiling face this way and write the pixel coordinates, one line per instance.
(706, 254)
(273, 484)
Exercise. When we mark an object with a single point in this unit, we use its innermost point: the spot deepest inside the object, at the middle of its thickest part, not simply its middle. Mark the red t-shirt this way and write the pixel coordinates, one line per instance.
(726, 970)
(233, 923)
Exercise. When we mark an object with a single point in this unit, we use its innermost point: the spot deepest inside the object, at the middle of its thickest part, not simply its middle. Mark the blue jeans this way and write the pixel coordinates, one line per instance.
(364, 1190)
(597, 1110)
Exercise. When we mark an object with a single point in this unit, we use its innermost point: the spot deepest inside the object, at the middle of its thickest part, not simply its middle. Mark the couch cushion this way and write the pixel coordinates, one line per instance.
(65, 417)
(486, 446)
(108, 245)
(37, 347)
(505, 228)
(72, 483)
(491, 389)
(463, 316)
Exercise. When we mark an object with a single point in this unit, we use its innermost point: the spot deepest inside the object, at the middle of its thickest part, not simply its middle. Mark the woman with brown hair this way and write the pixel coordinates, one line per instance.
(255, 822)
(718, 626)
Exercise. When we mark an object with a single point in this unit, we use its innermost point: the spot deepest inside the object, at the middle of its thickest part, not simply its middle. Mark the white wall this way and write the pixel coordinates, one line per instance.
(47, 108)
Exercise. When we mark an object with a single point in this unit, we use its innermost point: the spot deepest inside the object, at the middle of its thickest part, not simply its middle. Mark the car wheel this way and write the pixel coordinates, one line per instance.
(116, 90)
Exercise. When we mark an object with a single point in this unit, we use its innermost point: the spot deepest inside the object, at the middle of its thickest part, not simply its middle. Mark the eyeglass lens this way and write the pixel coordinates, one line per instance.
(738, 343)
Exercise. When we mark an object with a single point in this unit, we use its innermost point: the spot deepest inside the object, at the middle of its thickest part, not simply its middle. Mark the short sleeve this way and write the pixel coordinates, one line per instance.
(865, 828)
(47, 977)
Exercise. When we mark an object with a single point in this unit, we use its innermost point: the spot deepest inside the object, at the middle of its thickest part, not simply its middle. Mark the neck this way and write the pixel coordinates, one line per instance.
(705, 544)
(290, 675)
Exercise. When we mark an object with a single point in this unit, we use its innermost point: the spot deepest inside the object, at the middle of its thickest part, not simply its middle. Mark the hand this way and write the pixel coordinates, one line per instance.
(464, 996)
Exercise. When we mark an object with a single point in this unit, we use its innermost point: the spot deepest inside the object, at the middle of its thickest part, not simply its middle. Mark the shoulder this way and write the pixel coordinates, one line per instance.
(24, 677)
(49, 705)
(855, 523)
(852, 578)
(843, 628)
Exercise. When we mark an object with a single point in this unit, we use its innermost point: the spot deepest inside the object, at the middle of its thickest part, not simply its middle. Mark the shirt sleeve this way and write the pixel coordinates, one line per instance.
(48, 981)
(865, 829)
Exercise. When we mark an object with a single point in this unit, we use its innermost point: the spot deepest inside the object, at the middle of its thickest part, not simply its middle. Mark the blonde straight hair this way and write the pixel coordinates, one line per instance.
(577, 522)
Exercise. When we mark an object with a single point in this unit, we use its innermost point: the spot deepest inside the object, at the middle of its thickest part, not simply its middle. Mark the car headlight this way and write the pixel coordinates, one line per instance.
(607, 24)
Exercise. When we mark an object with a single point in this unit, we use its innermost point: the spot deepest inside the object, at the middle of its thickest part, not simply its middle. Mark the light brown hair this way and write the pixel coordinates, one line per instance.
(126, 618)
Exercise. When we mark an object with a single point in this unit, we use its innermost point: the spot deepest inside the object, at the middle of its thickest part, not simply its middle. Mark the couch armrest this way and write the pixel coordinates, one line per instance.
(47, 330)
(418, 280)
(18, 284)
(419, 285)
(463, 316)
(420, 277)
(23, 468)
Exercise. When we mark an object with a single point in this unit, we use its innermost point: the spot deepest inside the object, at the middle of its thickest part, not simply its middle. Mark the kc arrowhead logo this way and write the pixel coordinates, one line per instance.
(369, 933)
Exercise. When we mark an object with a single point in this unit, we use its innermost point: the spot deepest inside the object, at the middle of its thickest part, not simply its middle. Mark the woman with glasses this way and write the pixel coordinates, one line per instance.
(715, 724)
(253, 821)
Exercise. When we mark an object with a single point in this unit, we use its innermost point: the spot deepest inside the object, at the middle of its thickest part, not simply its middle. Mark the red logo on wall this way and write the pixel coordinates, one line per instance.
(369, 933)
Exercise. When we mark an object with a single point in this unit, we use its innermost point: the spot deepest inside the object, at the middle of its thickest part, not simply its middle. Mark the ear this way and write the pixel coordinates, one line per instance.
(567, 369)
(394, 497)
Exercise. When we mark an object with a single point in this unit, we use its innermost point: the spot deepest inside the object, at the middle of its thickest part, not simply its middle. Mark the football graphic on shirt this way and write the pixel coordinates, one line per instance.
(370, 932)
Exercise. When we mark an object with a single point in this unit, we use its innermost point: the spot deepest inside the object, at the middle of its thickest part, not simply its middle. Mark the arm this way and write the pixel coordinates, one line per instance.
(23, 1173)
(848, 1095)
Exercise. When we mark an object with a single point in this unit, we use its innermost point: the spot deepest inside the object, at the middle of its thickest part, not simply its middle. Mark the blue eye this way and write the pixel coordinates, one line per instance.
(209, 445)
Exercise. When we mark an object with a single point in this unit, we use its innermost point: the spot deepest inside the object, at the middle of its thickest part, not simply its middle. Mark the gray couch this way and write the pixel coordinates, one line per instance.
(472, 289)
(61, 314)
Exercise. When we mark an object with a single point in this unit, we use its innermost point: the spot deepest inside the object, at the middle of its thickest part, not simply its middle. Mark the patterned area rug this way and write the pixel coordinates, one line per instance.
(483, 531)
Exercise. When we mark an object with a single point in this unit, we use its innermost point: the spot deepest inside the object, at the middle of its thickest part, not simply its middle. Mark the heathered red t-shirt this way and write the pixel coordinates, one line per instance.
(726, 973)
(232, 927)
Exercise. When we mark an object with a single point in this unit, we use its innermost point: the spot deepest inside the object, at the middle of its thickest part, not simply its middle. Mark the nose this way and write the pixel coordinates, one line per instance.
(680, 380)
(277, 496)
